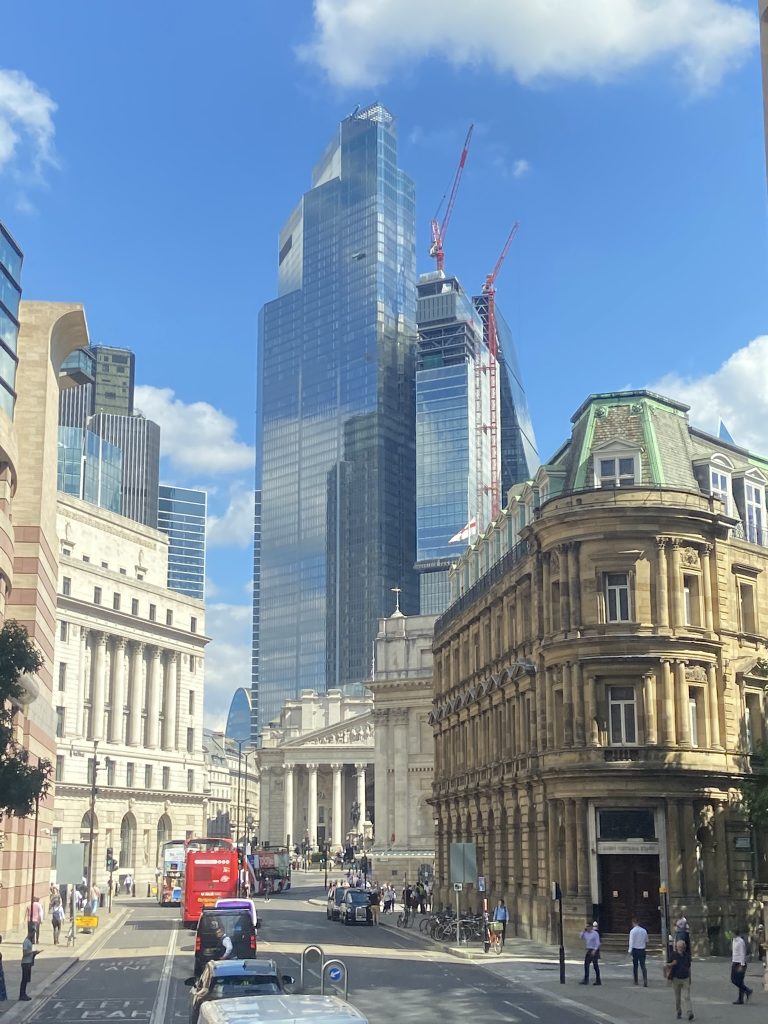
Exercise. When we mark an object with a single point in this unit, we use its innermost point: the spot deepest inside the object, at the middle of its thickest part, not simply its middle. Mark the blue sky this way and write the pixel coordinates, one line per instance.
(149, 154)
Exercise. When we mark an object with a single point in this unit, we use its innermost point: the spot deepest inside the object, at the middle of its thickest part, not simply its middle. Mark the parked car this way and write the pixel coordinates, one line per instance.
(229, 979)
(356, 907)
(334, 903)
(284, 1009)
(213, 925)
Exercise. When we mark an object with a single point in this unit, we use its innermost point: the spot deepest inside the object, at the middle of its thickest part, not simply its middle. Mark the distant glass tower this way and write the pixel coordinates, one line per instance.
(90, 468)
(453, 409)
(335, 474)
(181, 514)
(114, 380)
(238, 726)
(11, 258)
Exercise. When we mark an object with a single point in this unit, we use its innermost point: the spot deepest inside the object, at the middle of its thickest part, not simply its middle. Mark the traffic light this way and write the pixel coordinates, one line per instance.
(110, 858)
(113, 865)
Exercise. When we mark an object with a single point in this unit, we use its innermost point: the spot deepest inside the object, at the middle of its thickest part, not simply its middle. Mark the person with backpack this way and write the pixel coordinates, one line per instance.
(57, 919)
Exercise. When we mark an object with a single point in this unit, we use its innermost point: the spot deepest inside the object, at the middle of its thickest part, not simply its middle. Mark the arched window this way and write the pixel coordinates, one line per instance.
(164, 834)
(85, 838)
(128, 841)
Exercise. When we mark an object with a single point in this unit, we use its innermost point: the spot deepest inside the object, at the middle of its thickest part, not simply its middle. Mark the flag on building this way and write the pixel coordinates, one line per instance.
(464, 534)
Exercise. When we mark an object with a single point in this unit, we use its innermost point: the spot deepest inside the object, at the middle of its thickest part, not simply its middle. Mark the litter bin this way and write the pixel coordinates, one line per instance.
(101, 899)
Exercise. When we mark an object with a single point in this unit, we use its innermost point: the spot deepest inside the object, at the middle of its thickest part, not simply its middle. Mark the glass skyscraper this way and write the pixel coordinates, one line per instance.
(11, 259)
(90, 468)
(335, 475)
(181, 514)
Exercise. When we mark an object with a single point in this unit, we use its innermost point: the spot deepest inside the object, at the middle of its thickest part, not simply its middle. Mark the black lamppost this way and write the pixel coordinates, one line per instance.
(326, 849)
(92, 818)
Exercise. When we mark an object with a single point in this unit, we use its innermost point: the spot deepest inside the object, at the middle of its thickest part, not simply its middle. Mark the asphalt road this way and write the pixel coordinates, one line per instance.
(138, 973)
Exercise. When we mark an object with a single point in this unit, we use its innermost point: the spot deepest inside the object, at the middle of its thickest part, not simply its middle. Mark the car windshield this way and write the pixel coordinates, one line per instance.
(249, 984)
(338, 895)
(358, 899)
(233, 922)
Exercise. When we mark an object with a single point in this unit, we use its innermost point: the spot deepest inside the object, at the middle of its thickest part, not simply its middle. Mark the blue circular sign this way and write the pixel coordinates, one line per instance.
(334, 973)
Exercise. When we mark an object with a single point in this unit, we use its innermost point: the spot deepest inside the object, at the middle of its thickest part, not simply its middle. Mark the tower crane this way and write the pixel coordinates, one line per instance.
(439, 230)
(492, 344)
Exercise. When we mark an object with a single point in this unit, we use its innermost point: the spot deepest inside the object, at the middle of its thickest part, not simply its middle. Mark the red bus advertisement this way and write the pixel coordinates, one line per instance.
(270, 868)
(209, 875)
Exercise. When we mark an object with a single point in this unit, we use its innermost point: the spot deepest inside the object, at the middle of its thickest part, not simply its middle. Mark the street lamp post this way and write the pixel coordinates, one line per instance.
(34, 857)
(92, 817)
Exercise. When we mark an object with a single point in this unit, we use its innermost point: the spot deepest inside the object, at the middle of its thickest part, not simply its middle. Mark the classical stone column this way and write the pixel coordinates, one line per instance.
(571, 858)
(360, 773)
(649, 700)
(683, 708)
(549, 703)
(288, 807)
(720, 808)
(667, 705)
(676, 584)
(565, 597)
(713, 711)
(706, 584)
(118, 691)
(82, 684)
(337, 812)
(577, 689)
(265, 791)
(153, 699)
(662, 583)
(312, 806)
(593, 730)
(574, 583)
(582, 846)
(567, 705)
(135, 708)
(170, 694)
(98, 686)
(674, 848)
(540, 682)
(401, 795)
(546, 588)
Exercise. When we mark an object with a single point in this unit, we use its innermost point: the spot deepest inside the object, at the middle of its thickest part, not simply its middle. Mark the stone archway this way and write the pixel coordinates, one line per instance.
(164, 835)
(128, 830)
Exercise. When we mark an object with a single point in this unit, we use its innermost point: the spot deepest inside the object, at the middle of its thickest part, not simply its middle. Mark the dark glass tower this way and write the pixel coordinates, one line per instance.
(181, 513)
(336, 467)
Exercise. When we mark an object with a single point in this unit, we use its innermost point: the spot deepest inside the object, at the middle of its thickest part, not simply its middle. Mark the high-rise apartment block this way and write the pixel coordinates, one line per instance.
(11, 259)
(336, 435)
(114, 381)
(181, 515)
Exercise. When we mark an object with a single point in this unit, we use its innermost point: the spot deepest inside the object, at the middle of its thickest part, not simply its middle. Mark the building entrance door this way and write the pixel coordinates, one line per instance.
(629, 887)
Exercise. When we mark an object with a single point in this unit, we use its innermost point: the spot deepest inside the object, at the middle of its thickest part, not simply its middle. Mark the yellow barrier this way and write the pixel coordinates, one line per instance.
(87, 922)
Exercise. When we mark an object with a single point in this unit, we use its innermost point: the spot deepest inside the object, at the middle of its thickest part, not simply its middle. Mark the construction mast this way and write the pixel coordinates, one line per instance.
(439, 230)
(491, 339)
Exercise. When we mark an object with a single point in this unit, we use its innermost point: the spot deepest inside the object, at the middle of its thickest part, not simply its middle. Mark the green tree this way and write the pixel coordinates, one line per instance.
(754, 788)
(21, 783)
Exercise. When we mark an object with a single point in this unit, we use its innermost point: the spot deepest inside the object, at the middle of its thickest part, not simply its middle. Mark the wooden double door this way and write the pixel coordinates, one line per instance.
(629, 887)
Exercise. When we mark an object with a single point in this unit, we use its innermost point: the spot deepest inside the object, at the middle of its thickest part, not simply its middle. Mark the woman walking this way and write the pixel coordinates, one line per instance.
(57, 919)
(500, 913)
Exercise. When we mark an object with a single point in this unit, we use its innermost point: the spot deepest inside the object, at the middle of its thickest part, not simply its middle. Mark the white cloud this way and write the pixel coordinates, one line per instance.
(235, 527)
(520, 168)
(363, 42)
(227, 658)
(26, 121)
(737, 393)
(195, 437)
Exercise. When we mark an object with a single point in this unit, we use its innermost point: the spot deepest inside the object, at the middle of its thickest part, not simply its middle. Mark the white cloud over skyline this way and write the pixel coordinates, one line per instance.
(227, 658)
(26, 122)
(363, 42)
(737, 393)
(235, 527)
(195, 437)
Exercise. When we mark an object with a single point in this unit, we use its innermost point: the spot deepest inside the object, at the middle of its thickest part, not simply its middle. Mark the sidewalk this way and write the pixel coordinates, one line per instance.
(53, 961)
(617, 1001)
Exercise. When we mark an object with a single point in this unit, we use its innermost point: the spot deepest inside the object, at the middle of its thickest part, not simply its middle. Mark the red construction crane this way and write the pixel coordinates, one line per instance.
(439, 230)
(492, 344)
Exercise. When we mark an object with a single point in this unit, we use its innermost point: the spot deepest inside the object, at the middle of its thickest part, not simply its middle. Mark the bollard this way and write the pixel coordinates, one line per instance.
(133, 889)
(101, 899)
(149, 889)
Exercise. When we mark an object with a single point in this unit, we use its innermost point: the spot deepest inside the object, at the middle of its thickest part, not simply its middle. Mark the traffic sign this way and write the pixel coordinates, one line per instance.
(458, 886)
(334, 973)
(87, 922)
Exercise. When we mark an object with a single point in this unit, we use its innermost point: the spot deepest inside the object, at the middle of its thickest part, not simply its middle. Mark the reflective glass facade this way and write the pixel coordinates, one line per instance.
(336, 442)
(102, 463)
(238, 726)
(181, 514)
(11, 259)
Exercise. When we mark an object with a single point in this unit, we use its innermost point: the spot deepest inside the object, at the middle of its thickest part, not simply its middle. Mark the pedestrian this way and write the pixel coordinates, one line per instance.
(267, 888)
(226, 944)
(57, 919)
(374, 899)
(679, 973)
(638, 943)
(500, 913)
(739, 967)
(3, 992)
(682, 932)
(35, 917)
(591, 938)
(128, 883)
(28, 955)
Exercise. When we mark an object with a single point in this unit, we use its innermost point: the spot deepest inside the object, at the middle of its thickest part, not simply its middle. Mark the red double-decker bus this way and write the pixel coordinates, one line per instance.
(209, 875)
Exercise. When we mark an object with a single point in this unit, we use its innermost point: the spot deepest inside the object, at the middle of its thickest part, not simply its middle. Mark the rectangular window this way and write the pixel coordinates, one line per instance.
(129, 774)
(168, 617)
(617, 597)
(191, 663)
(190, 740)
(617, 472)
(193, 624)
(123, 572)
(63, 630)
(754, 508)
(190, 780)
(86, 558)
(110, 766)
(97, 595)
(105, 565)
(59, 767)
(55, 840)
(152, 612)
(621, 715)
(134, 606)
(62, 676)
(191, 702)
(166, 778)
(59, 722)
(66, 586)
(747, 608)
(147, 776)
(116, 601)
(91, 770)
(753, 721)
(691, 602)
(694, 719)
(720, 487)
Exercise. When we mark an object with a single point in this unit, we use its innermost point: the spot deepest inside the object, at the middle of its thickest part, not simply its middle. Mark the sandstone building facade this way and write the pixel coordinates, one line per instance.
(600, 680)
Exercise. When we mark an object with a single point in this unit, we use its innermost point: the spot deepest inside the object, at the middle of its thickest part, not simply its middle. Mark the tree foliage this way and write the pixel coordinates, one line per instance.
(21, 783)
(754, 788)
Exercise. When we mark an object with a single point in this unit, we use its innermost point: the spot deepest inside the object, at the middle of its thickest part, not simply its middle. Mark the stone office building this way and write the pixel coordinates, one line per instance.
(600, 675)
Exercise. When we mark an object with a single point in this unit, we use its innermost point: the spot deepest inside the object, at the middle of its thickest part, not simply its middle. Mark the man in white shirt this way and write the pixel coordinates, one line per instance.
(739, 967)
(638, 943)
(226, 943)
(591, 938)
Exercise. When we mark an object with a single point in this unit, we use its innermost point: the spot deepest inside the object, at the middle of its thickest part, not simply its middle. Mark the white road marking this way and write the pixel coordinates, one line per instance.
(163, 989)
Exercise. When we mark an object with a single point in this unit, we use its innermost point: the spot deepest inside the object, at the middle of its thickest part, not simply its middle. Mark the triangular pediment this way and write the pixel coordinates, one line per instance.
(357, 731)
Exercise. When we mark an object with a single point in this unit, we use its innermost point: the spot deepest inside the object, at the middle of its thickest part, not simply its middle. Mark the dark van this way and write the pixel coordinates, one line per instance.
(237, 924)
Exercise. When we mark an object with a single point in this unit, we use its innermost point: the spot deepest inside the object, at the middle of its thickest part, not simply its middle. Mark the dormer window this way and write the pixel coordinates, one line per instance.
(617, 472)
(754, 512)
(720, 486)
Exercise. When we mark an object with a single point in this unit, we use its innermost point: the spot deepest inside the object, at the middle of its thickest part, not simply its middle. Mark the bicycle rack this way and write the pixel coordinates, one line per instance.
(336, 972)
(312, 950)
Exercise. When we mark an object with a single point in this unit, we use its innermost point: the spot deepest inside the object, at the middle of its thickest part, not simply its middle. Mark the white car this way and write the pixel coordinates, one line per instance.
(282, 1010)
